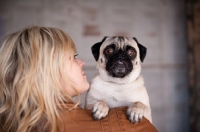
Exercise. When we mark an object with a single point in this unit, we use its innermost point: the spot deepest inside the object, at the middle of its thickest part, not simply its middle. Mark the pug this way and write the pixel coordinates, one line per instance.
(118, 82)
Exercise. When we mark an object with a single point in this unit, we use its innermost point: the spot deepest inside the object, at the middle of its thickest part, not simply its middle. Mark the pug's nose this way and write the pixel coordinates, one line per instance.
(122, 56)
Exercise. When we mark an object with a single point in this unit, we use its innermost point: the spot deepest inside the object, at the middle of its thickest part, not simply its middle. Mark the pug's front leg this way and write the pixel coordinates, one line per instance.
(135, 112)
(100, 110)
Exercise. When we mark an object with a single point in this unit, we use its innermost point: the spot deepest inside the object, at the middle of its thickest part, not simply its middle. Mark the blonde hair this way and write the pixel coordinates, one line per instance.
(31, 66)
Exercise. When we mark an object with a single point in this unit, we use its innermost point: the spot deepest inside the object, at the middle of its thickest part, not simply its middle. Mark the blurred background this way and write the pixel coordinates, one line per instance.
(168, 28)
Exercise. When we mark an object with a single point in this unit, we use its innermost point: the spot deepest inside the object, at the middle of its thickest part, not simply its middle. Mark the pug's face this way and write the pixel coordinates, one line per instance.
(118, 55)
(119, 59)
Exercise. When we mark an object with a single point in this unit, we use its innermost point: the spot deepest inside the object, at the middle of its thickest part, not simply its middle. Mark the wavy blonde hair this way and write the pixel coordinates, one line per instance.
(31, 66)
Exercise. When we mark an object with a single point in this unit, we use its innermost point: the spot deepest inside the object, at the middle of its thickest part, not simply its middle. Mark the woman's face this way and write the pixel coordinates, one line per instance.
(78, 78)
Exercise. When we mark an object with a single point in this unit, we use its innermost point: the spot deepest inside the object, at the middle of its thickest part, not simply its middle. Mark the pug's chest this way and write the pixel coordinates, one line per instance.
(118, 96)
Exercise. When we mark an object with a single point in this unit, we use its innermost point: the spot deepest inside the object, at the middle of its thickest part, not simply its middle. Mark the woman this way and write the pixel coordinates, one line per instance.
(39, 76)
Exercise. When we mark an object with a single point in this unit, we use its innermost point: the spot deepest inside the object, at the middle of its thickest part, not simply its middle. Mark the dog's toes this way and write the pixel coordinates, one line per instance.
(134, 114)
(133, 118)
(127, 116)
(99, 114)
(94, 118)
(140, 117)
(94, 109)
(99, 111)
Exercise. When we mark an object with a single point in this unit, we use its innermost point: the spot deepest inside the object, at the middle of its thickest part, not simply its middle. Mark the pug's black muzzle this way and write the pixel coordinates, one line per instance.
(119, 65)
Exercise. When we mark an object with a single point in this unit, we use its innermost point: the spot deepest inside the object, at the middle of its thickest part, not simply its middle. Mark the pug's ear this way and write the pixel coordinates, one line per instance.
(96, 48)
(143, 50)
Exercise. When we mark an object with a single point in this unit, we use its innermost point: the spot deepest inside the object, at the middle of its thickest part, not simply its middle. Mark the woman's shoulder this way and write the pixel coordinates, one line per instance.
(80, 119)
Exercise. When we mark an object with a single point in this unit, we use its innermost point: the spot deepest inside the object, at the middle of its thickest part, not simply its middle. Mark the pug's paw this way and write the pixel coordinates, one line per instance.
(135, 112)
(100, 110)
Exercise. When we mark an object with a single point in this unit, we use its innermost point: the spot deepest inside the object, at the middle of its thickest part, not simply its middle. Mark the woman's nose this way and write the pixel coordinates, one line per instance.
(82, 63)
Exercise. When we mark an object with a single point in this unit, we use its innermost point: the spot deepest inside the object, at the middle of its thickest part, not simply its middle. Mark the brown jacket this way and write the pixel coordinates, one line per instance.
(80, 120)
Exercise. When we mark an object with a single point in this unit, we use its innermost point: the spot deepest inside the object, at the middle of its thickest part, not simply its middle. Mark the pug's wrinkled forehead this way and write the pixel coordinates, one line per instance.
(120, 42)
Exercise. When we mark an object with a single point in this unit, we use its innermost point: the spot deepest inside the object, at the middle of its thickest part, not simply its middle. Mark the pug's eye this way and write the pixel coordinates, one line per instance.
(131, 52)
(109, 51)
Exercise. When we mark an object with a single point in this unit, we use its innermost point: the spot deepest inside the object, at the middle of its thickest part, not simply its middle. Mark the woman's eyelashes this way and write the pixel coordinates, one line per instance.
(75, 56)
